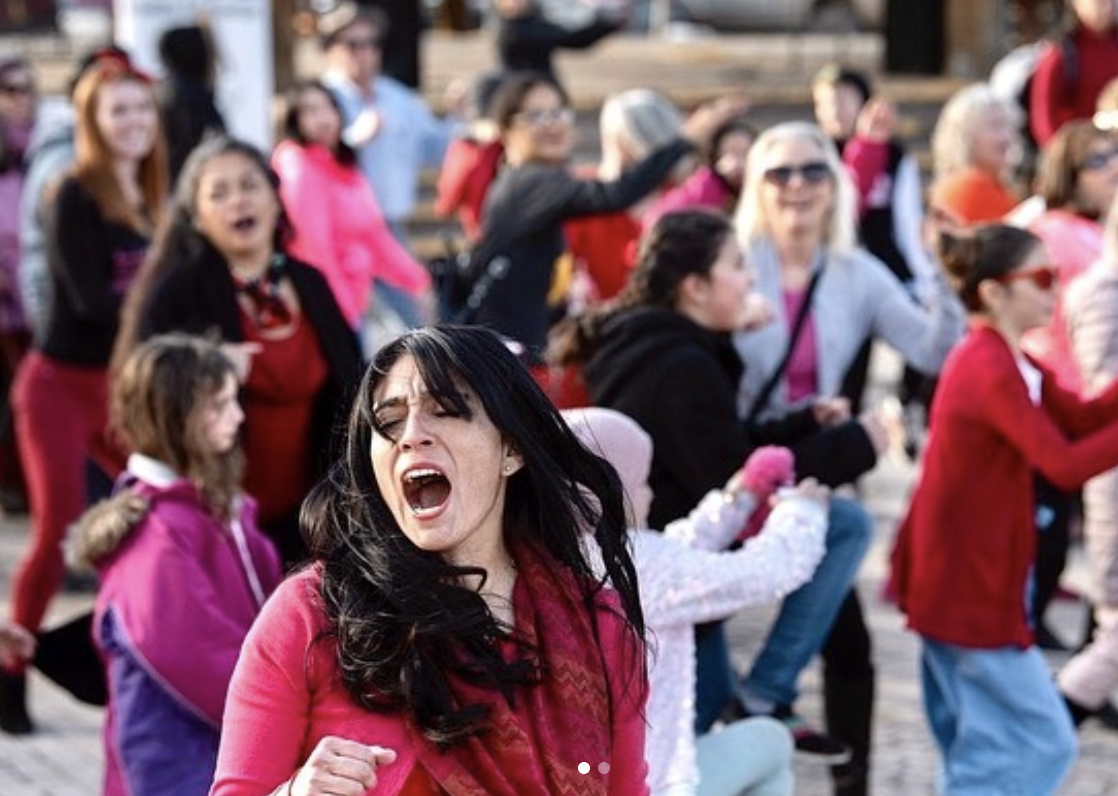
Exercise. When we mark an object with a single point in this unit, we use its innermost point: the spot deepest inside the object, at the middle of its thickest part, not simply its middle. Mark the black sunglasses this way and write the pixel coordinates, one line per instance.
(813, 172)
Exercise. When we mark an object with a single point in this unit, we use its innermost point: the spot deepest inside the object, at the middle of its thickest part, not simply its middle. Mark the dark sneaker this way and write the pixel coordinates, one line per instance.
(812, 743)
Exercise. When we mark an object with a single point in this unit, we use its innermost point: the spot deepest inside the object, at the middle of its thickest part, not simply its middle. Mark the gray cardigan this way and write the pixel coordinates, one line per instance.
(857, 298)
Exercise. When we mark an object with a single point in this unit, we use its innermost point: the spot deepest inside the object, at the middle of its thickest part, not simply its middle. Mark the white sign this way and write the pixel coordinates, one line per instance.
(242, 34)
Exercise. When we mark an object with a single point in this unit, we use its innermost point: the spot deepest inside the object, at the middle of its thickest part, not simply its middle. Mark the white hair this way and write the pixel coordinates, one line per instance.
(633, 124)
(840, 232)
(959, 122)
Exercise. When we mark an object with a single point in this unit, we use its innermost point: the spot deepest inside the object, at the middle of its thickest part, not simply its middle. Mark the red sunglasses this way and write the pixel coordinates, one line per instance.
(1043, 276)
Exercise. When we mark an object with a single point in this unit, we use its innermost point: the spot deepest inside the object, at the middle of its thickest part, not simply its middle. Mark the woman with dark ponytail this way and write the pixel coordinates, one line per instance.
(963, 562)
(662, 354)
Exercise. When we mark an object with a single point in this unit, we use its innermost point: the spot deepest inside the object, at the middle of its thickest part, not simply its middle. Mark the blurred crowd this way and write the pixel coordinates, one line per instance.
(184, 324)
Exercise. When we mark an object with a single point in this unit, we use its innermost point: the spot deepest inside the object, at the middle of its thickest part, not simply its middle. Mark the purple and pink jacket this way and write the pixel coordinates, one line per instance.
(179, 591)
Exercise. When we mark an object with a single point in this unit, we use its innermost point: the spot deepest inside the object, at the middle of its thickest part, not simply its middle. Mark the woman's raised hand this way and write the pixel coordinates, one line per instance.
(241, 354)
(705, 120)
(877, 121)
(339, 767)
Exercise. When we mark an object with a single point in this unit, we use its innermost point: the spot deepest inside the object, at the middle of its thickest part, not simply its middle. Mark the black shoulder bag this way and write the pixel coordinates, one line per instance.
(797, 327)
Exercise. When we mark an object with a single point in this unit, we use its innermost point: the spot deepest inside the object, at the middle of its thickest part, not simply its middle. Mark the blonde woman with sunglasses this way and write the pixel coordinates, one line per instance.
(963, 563)
(796, 222)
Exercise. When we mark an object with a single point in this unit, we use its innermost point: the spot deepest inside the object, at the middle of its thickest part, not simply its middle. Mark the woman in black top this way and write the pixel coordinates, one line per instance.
(102, 218)
(219, 268)
(522, 247)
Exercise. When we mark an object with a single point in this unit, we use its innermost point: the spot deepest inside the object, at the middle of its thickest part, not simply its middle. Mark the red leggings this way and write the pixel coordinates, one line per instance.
(61, 420)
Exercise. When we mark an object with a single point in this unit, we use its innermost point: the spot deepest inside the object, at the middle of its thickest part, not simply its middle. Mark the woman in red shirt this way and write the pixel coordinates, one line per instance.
(220, 267)
(1069, 78)
(963, 561)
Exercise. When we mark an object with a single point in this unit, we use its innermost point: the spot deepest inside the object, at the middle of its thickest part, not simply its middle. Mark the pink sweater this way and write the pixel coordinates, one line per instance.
(286, 695)
(339, 229)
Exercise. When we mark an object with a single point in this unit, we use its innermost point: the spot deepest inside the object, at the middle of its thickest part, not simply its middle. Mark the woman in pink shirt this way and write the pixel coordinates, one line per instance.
(338, 226)
(452, 636)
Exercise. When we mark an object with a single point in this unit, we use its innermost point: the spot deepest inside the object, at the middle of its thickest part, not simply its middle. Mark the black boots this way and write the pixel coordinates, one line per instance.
(848, 704)
(13, 704)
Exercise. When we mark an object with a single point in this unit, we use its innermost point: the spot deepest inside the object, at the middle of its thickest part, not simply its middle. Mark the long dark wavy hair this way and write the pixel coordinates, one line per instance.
(404, 625)
(680, 243)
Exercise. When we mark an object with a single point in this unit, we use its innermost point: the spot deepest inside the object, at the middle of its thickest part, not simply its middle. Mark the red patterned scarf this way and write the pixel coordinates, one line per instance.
(535, 746)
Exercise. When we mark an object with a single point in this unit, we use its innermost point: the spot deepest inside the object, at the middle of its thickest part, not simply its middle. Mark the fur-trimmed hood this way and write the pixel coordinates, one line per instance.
(104, 527)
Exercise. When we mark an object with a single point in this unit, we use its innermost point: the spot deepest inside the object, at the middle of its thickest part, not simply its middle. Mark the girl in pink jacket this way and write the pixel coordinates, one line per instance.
(183, 569)
(338, 226)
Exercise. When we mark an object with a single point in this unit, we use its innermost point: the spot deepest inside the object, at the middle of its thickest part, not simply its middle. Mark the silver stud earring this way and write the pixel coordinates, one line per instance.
(508, 469)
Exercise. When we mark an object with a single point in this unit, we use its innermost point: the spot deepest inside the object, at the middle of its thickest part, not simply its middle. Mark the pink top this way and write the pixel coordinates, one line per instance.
(865, 160)
(287, 694)
(803, 366)
(1073, 243)
(702, 189)
(339, 228)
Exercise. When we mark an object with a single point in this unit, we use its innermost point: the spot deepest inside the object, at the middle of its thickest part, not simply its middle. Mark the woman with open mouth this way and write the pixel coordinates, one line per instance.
(220, 267)
(451, 637)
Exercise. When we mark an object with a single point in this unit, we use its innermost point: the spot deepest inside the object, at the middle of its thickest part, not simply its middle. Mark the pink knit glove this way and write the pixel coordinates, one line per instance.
(766, 470)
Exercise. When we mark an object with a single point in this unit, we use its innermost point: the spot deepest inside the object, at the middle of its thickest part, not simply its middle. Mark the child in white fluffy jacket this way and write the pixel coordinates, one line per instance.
(687, 576)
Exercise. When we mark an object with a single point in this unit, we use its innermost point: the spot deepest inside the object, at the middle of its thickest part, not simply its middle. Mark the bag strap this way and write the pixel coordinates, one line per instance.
(797, 327)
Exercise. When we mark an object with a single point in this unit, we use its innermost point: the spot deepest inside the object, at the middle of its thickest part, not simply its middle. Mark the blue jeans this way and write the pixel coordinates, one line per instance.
(751, 757)
(800, 629)
(1000, 724)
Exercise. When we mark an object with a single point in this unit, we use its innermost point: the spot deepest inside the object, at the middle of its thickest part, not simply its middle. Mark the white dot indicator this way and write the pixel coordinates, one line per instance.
(583, 768)
(603, 768)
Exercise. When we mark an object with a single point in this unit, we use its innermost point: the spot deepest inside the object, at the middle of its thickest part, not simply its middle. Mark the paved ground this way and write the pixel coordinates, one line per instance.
(64, 758)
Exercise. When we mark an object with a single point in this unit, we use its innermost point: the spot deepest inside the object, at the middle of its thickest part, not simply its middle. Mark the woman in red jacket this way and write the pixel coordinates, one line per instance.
(964, 556)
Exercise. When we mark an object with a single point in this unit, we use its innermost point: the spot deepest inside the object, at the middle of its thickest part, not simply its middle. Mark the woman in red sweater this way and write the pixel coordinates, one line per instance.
(964, 556)
(1069, 77)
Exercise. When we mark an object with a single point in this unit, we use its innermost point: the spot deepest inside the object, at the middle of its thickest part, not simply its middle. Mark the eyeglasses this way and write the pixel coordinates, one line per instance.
(357, 44)
(813, 172)
(1098, 160)
(542, 118)
(1043, 276)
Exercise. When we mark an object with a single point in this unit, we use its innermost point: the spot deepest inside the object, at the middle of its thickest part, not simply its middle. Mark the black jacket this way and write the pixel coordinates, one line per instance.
(523, 222)
(198, 297)
(679, 381)
(526, 43)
